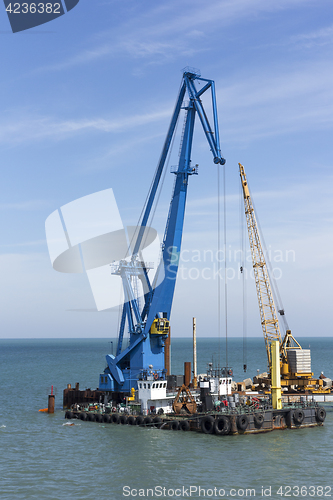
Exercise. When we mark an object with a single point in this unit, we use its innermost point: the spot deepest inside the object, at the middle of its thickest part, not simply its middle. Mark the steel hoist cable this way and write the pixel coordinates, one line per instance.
(225, 268)
(243, 273)
(219, 267)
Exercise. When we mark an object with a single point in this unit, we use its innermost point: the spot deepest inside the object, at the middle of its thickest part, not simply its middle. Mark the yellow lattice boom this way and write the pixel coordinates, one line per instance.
(268, 316)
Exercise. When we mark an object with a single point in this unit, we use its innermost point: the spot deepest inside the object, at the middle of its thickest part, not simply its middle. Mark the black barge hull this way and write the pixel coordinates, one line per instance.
(227, 423)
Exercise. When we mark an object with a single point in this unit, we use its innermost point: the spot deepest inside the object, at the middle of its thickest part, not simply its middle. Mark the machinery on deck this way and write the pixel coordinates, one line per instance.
(295, 362)
(184, 401)
(149, 327)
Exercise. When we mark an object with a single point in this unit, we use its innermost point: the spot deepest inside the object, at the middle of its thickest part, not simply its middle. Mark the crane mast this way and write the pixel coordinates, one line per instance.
(268, 316)
(149, 326)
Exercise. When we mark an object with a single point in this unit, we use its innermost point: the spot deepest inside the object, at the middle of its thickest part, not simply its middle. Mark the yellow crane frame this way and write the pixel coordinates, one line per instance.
(268, 316)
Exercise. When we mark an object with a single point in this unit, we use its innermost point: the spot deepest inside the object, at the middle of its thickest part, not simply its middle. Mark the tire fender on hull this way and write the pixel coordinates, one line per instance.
(298, 417)
(207, 425)
(157, 422)
(242, 422)
(184, 425)
(174, 425)
(148, 421)
(115, 418)
(222, 426)
(320, 414)
(258, 419)
(139, 420)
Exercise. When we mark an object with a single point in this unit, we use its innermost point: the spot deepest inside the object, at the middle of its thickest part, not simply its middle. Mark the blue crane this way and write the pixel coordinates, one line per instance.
(149, 328)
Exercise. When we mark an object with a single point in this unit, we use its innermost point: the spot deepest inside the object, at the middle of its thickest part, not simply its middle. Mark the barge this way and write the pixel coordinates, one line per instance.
(212, 408)
(239, 420)
(136, 387)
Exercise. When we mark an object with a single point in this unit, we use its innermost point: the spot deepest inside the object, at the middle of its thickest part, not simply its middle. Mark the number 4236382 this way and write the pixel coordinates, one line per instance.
(33, 8)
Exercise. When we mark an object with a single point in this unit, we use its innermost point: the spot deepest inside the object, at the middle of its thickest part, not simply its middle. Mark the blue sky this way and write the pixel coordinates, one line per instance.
(85, 104)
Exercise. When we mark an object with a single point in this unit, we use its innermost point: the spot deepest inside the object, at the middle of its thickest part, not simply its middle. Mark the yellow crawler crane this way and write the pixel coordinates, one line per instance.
(268, 317)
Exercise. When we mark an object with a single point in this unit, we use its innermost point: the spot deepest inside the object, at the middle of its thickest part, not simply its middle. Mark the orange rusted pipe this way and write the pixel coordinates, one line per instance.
(167, 353)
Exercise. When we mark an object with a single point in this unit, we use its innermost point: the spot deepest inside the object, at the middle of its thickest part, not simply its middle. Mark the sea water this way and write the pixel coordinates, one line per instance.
(45, 457)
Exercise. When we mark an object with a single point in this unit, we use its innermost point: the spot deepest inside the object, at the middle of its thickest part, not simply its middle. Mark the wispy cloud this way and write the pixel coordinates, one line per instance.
(277, 101)
(24, 244)
(166, 31)
(263, 104)
(323, 36)
(24, 205)
(301, 196)
(23, 129)
(102, 161)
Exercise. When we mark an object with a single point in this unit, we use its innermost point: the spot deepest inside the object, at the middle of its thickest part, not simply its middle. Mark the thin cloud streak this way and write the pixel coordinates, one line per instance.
(301, 195)
(37, 128)
(260, 106)
(25, 205)
(24, 244)
(160, 33)
(321, 37)
(273, 104)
